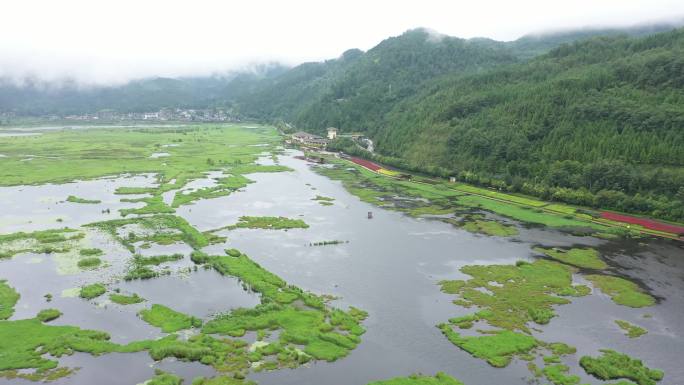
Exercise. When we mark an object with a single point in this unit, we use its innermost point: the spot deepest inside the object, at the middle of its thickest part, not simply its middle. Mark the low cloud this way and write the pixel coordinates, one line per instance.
(112, 42)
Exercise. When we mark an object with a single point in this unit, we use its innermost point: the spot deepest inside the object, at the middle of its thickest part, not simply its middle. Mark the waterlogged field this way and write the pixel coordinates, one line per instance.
(122, 266)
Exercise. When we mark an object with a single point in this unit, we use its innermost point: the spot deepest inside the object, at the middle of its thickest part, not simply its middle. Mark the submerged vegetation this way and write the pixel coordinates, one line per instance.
(161, 229)
(622, 291)
(87, 263)
(429, 197)
(39, 242)
(323, 200)
(75, 199)
(90, 252)
(582, 258)
(418, 379)
(476, 223)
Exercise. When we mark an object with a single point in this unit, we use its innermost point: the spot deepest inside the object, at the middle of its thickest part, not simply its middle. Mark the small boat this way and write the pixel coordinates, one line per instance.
(370, 215)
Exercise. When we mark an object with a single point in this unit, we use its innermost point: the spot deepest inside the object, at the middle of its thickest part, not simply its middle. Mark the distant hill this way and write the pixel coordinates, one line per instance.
(591, 117)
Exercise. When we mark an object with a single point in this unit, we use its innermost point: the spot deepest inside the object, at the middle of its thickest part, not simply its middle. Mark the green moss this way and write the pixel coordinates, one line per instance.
(47, 315)
(92, 291)
(87, 263)
(612, 365)
(497, 349)
(168, 320)
(8, 298)
(622, 291)
(584, 258)
(75, 199)
(125, 299)
(514, 295)
(632, 331)
(419, 379)
(91, 252)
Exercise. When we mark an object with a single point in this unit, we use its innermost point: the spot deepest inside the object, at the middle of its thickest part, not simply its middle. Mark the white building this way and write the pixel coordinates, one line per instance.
(332, 133)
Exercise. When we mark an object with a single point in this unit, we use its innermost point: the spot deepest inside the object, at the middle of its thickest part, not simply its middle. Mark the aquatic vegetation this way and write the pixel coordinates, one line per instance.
(510, 296)
(324, 201)
(163, 378)
(419, 379)
(156, 260)
(39, 242)
(93, 153)
(75, 199)
(621, 291)
(612, 365)
(47, 315)
(632, 331)
(497, 349)
(91, 252)
(162, 229)
(39, 339)
(270, 223)
(583, 258)
(222, 380)
(92, 291)
(87, 263)
(441, 198)
(525, 213)
(8, 298)
(307, 327)
(153, 205)
(410, 197)
(557, 374)
(327, 243)
(168, 319)
(125, 299)
(475, 223)
(140, 272)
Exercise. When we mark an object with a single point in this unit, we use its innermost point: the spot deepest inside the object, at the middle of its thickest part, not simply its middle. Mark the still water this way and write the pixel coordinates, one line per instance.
(389, 267)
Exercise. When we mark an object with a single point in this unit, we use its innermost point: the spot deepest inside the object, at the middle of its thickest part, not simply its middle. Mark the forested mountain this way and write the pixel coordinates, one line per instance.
(597, 122)
(592, 117)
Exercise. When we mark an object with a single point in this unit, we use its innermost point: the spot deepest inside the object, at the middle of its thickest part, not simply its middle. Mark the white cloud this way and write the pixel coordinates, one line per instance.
(105, 41)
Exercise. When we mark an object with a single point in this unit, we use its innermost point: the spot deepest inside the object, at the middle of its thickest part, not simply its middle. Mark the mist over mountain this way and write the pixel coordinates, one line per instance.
(271, 90)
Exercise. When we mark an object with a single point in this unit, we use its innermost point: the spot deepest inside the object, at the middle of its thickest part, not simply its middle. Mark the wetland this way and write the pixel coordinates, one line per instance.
(120, 265)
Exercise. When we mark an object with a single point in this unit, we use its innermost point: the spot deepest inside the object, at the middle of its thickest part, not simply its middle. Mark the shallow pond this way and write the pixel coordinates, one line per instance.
(389, 267)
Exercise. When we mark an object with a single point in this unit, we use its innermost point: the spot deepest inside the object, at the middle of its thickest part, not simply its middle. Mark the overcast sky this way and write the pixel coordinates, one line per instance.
(110, 41)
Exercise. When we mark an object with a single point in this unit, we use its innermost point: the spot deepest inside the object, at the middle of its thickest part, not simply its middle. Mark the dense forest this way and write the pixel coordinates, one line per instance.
(591, 117)
(598, 123)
